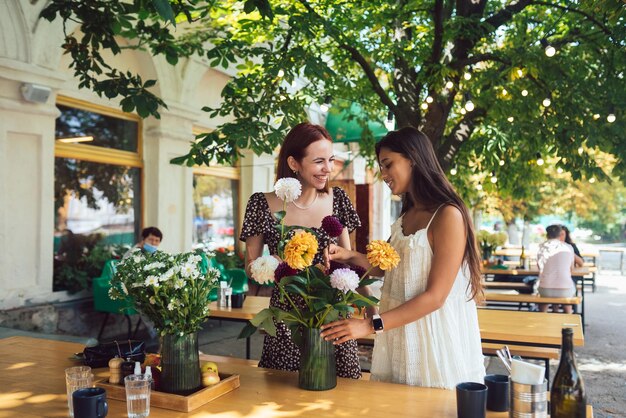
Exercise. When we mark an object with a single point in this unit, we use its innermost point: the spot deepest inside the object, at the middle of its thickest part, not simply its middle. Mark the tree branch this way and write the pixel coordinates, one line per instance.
(356, 56)
(461, 132)
(480, 58)
(580, 12)
(506, 14)
(435, 55)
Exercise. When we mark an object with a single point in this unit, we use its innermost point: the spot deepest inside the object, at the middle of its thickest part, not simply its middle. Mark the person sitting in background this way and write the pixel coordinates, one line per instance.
(578, 259)
(151, 238)
(555, 259)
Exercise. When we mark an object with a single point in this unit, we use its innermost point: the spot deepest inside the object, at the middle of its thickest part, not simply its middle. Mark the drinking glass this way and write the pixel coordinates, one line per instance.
(78, 377)
(137, 395)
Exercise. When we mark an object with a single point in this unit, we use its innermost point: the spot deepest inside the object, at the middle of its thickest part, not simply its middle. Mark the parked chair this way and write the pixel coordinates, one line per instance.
(103, 303)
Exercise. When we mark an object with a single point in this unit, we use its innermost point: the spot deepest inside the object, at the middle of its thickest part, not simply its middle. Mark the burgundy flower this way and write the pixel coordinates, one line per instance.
(335, 265)
(283, 270)
(332, 226)
(358, 270)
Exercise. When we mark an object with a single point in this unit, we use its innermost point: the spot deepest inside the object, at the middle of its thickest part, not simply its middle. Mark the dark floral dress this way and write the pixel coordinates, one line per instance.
(280, 352)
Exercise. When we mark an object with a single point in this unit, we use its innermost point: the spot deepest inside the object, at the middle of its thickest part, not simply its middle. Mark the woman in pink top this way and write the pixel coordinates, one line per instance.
(555, 259)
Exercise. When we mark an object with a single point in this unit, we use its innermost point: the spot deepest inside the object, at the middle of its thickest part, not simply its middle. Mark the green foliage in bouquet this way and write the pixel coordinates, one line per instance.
(172, 290)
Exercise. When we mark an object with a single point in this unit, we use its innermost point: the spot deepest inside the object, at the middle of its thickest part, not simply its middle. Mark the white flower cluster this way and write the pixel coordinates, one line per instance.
(263, 269)
(344, 280)
(288, 189)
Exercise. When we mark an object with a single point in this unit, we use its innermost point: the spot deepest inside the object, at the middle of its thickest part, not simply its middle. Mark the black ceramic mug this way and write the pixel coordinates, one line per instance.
(471, 400)
(498, 392)
(236, 300)
(90, 403)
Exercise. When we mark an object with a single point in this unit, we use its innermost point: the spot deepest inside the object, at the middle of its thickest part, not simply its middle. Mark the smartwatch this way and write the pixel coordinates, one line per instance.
(377, 323)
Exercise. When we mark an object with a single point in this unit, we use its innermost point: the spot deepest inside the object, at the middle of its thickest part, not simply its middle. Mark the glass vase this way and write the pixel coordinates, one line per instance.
(180, 364)
(317, 362)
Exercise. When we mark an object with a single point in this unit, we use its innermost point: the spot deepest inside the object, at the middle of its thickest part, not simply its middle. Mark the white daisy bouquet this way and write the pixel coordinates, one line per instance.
(327, 294)
(172, 290)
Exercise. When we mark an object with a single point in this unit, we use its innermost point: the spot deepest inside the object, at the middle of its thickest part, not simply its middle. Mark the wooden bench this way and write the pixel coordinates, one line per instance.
(520, 299)
(533, 353)
(506, 286)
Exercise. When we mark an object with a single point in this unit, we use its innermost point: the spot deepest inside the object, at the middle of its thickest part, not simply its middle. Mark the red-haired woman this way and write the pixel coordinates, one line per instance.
(307, 155)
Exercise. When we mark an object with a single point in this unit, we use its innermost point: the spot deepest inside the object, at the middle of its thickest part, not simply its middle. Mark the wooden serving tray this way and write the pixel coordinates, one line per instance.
(228, 382)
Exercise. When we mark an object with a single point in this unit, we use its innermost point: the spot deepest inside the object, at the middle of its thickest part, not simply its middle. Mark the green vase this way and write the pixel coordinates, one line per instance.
(180, 364)
(317, 362)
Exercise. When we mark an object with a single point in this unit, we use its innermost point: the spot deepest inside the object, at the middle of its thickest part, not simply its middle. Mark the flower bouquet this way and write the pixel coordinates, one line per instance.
(326, 295)
(172, 290)
(489, 242)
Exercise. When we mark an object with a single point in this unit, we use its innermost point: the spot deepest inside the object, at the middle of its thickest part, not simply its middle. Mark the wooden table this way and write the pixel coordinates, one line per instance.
(578, 275)
(33, 385)
(539, 329)
(506, 327)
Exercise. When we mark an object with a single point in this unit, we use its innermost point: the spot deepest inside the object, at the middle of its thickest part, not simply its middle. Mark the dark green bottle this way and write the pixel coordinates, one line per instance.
(567, 397)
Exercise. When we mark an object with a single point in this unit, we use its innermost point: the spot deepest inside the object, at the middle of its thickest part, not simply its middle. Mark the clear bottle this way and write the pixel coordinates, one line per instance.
(567, 397)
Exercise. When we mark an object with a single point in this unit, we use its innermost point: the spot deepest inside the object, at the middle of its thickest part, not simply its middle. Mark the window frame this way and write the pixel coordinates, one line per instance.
(104, 155)
(222, 171)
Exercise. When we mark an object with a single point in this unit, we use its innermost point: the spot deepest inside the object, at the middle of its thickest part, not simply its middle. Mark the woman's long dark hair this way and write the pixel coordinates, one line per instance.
(295, 143)
(431, 188)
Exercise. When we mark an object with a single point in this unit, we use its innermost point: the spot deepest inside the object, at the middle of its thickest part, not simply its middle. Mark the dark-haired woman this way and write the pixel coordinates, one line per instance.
(307, 155)
(427, 332)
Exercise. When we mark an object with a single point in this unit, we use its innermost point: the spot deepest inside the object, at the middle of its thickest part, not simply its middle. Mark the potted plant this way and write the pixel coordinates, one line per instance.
(327, 295)
(172, 290)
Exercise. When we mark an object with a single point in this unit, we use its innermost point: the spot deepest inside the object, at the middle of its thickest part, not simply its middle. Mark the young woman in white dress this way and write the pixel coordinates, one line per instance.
(427, 331)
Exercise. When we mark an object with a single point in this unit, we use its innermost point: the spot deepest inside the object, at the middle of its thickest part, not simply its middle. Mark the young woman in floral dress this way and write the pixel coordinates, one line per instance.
(427, 332)
(307, 155)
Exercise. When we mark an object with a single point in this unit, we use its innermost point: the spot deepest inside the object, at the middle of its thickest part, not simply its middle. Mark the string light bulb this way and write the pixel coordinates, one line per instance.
(467, 76)
(611, 118)
(596, 116)
(539, 160)
(453, 170)
(549, 50)
(494, 179)
(524, 92)
(504, 92)
(580, 150)
(449, 85)
(520, 73)
(424, 106)
(479, 186)
(592, 180)
(510, 118)
(501, 162)
(559, 170)
(281, 73)
(463, 111)
(429, 99)
(469, 105)
(546, 102)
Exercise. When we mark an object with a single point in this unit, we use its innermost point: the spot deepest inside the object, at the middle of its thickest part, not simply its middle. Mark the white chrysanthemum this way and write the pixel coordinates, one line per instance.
(171, 306)
(194, 259)
(137, 259)
(263, 269)
(151, 266)
(179, 283)
(288, 189)
(152, 281)
(167, 275)
(187, 270)
(344, 280)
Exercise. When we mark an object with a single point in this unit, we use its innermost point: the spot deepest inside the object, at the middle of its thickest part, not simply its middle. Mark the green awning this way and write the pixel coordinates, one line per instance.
(342, 129)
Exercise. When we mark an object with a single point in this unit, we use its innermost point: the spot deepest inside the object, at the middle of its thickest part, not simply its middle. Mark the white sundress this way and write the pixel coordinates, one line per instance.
(438, 350)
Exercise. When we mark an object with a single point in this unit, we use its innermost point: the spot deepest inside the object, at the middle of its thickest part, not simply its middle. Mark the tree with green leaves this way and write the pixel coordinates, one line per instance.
(496, 85)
